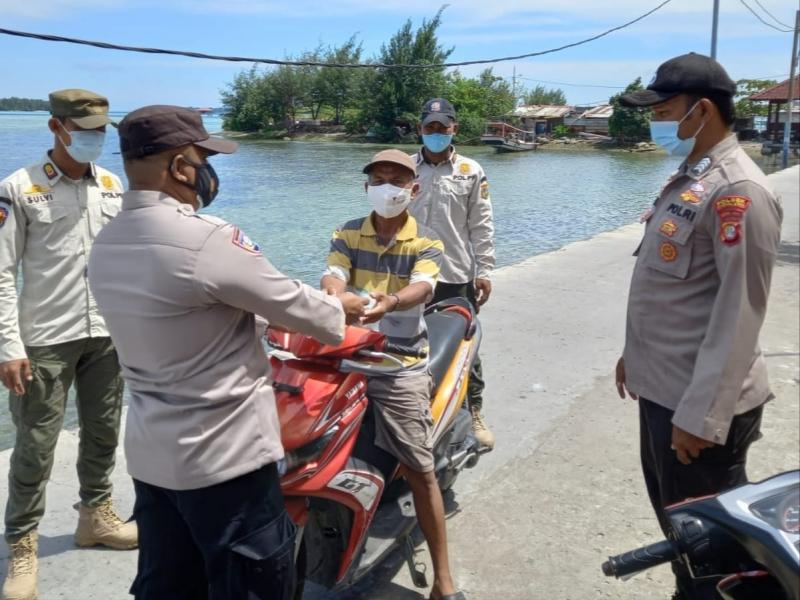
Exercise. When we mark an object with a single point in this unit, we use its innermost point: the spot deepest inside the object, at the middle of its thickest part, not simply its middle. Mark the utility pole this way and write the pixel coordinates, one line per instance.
(714, 25)
(514, 86)
(787, 127)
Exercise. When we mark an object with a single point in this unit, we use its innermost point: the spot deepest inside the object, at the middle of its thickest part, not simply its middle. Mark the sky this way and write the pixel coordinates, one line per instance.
(477, 29)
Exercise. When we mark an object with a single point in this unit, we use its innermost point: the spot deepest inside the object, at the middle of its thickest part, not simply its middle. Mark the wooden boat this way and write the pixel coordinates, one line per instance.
(507, 138)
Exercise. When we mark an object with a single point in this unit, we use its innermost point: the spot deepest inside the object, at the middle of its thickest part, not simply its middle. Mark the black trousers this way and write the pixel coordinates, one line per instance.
(230, 541)
(445, 291)
(669, 481)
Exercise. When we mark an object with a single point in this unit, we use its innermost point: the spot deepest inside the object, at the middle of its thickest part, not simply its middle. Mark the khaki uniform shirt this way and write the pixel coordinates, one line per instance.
(180, 292)
(48, 223)
(454, 202)
(699, 293)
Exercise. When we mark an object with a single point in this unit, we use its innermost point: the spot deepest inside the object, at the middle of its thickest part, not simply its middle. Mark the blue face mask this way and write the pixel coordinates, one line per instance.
(665, 134)
(437, 142)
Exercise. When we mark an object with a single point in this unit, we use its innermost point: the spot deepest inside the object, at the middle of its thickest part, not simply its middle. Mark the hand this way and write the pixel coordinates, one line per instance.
(353, 306)
(384, 303)
(483, 289)
(687, 446)
(16, 374)
(621, 383)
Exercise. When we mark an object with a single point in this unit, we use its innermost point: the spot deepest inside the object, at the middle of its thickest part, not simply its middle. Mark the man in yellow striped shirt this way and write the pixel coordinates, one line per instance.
(389, 256)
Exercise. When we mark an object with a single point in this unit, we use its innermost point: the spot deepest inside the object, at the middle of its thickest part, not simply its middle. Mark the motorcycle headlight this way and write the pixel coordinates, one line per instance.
(306, 453)
(781, 510)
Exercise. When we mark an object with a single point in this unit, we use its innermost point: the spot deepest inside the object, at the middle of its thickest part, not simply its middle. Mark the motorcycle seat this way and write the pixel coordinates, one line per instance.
(446, 330)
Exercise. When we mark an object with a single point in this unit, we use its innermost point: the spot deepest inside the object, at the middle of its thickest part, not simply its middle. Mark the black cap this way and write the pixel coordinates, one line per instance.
(687, 74)
(439, 110)
(157, 128)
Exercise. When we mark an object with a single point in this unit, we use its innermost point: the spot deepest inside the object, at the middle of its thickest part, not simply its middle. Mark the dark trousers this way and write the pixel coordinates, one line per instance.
(230, 541)
(445, 291)
(669, 481)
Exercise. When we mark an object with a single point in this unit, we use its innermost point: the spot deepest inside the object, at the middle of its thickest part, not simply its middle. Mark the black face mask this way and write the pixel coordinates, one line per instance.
(206, 182)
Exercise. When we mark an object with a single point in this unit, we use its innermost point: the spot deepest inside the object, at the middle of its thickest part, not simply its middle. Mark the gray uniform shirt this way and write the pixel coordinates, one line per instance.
(47, 224)
(454, 202)
(699, 293)
(179, 292)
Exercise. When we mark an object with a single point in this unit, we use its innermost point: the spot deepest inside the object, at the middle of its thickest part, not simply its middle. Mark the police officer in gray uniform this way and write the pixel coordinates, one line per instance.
(698, 296)
(180, 292)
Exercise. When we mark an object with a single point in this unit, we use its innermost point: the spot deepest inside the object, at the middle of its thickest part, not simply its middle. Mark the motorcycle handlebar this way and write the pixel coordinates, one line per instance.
(640, 559)
(405, 350)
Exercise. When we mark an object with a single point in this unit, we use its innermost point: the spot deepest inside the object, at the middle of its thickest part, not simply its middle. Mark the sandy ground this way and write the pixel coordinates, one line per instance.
(562, 491)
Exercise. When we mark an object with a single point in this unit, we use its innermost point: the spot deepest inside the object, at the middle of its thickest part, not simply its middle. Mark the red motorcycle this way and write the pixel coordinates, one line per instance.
(347, 496)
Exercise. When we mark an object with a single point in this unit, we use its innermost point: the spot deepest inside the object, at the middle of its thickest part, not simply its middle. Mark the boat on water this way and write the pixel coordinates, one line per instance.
(507, 138)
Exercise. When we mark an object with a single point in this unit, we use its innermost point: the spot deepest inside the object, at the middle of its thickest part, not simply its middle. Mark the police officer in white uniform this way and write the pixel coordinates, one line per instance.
(698, 296)
(52, 335)
(180, 292)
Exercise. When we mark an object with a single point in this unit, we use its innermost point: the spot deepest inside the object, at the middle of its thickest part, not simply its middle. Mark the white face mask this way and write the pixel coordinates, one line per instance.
(388, 200)
(85, 146)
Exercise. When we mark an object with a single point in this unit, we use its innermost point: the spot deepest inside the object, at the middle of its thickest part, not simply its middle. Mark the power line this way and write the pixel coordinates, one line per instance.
(586, 85)
(774, 18)
(757, 16)
(306, 63)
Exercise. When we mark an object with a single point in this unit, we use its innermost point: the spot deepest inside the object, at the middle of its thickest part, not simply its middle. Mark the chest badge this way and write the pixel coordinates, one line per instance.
(107, 182)
(464, 168)
(668, 251)
(50, 171)
(669, 228)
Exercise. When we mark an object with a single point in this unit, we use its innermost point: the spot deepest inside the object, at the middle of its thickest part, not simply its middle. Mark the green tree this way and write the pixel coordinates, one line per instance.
(476, 100)
(628, 124)
(335, 87)
(400, 93)
(746, 88)
(246, 102)
(542, 95)
(23, 104)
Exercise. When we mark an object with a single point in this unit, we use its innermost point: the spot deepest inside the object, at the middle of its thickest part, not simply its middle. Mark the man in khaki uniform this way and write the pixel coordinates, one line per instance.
(52, 335)
(454, 202)
(698, 296)
(180, 292)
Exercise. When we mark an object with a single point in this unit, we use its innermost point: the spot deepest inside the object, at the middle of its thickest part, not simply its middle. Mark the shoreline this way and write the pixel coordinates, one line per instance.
(564, 475)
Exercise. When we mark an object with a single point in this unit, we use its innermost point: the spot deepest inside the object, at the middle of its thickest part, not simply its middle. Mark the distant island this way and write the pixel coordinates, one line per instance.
(23, 104)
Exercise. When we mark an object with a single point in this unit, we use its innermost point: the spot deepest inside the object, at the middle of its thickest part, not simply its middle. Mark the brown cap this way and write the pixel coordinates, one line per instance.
(154, 129)
(397, 157)
(86, 109)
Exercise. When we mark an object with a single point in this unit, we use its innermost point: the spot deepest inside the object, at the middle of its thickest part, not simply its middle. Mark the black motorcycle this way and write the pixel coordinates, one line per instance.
(747, 539)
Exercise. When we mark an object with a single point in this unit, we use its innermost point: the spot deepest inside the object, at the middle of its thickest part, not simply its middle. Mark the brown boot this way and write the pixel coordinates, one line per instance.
(102, 526)
(23, 566)
(479, 429)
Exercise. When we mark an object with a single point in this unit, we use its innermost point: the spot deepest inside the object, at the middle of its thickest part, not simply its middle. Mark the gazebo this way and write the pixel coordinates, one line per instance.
(777, 96)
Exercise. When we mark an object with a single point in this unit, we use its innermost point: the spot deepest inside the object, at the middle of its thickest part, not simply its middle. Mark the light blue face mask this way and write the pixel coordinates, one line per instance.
(437, 142)
(665, 134)
(85, 146)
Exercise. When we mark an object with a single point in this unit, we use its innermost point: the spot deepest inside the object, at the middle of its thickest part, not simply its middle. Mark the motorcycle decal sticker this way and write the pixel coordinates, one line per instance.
(359, 485)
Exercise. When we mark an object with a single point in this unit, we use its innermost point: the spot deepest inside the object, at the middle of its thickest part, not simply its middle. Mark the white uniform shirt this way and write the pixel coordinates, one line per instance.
(48, 223)
(454, 202)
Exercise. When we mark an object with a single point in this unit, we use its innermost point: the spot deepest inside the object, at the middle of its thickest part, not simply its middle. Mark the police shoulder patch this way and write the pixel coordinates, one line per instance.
(731, 210)
(3, 215)
(244, 242)
(485, 190)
